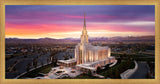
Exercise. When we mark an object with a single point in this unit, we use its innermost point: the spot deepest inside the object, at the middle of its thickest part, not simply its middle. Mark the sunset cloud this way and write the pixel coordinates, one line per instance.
(29, 21)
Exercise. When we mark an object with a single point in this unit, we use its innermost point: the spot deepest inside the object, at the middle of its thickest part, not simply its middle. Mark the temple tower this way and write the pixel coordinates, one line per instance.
(84, 36)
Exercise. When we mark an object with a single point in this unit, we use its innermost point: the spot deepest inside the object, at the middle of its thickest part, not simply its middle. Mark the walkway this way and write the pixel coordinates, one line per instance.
(97, 75)
(65, 72)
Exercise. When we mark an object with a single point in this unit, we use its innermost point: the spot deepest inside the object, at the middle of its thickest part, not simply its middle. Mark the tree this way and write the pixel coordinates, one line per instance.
(119, 60)
(98, 69)
(89, 73)
(28, 67)
(71, 56)
(117, 74)
(66, 58)
(48, 59)
(54, 61)
(112, 73)
(35, 63)
(42, 63)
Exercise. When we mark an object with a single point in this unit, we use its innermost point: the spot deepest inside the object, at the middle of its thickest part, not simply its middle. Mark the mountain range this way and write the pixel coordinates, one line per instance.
(76, 40)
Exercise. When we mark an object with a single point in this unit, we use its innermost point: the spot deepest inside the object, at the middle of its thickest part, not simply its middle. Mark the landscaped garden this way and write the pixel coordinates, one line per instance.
(115, 71)
(35, 73)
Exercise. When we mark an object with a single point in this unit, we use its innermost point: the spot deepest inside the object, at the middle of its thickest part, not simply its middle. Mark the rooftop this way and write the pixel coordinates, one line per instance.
(88, 64)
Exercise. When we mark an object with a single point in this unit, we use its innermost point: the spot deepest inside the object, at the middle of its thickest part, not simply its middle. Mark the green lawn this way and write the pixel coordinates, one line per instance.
(35, 73)
(46, 70)
(115, 71)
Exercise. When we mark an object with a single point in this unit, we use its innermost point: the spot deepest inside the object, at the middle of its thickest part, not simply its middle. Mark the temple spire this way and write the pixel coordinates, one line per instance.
(84, 27)
(84, 36)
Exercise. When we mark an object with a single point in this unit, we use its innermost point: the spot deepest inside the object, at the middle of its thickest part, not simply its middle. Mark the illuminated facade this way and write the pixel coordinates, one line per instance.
(87, 56)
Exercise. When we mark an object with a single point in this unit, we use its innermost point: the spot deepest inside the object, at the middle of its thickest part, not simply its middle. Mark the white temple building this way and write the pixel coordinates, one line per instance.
(87, 56)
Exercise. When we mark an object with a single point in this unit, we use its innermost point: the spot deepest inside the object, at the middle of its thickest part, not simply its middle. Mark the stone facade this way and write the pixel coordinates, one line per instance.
(87, 56)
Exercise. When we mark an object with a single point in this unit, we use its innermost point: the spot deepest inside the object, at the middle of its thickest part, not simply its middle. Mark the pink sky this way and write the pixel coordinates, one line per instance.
(62, 22)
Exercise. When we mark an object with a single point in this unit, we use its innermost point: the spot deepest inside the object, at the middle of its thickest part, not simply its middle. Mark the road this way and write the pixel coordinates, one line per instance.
(141, 72)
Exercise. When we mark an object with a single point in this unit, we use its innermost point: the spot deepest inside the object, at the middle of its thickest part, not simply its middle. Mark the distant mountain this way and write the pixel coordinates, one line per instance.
(76, 40)
(132, 38)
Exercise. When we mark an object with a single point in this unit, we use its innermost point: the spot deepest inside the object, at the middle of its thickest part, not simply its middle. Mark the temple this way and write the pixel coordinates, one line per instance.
(87, 56)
